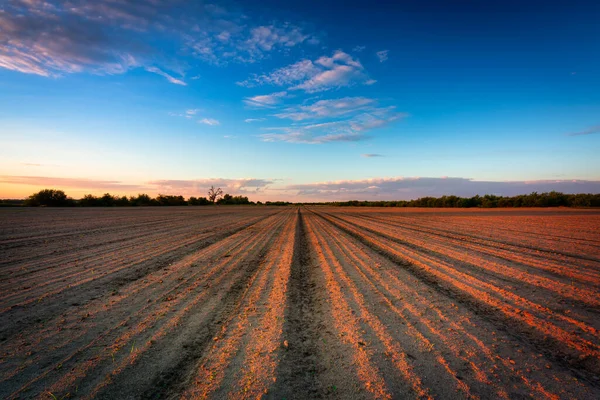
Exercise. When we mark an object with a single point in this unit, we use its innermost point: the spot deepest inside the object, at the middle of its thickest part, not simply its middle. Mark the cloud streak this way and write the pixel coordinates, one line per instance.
(297, 136)
(170, 78)
(209, 121)
(590, 131)
(382, 55)
(327, 108)
(325, 73)
(346, 120)
(80, 183)
(193, 187)
(390, 188)
(406, 188)
(266, 100)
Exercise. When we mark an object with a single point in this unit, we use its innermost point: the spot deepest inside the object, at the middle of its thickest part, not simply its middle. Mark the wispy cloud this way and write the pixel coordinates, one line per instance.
(209, 121)
(298, 71)
(250, 120)
(300, 136)
(371, 155)
(382, 55)
(589, 131)
(233, 40)
(54, 37)
(189, 113)
(327, 108)
(266, 100)
(188, 187)
(352, 118)
(325, 73)
(264, 38)
(80, 183)
(170, 78)
(403, 188)
(201, 186)
(358, 49)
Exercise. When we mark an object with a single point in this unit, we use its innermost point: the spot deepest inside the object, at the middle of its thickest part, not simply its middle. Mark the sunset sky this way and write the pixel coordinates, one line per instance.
(299, 100)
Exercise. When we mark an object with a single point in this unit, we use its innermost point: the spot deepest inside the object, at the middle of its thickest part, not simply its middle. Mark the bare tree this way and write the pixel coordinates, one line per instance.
(214, 194)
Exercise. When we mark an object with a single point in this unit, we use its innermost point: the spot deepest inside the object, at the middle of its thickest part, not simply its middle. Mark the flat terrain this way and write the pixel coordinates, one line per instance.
(297, 303)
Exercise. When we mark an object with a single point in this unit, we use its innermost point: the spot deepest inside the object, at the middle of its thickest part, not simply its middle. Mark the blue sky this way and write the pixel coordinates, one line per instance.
(300, 100)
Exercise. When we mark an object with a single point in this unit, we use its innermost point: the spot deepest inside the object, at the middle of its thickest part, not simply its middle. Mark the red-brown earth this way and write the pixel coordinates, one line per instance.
(299, 302)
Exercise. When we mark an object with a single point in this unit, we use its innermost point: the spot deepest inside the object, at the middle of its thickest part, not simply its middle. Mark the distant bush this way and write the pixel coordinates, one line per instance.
(278, 203)
(49, 198)
(199, 201)
(165, 200)
(229, 199)
(11, 203)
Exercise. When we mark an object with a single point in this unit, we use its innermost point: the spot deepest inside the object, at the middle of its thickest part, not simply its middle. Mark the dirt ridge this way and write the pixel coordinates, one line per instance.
(583, 368)
(299, 367)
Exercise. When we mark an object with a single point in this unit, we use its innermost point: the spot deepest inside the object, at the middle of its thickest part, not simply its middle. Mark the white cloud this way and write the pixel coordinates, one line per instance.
(189, 113)
(307, 138)
(327, 108)
(266, 100)
(371, 155)
(209, 121)
(283, 76)
(265, 38)
(382, 55)
(358, 49)
(325, 73)
(170, 78)
(338, 71)
(236, 40)
(352, 118)
(250, 120)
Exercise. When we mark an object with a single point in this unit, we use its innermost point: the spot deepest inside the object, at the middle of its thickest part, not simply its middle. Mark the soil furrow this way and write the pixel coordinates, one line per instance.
(584, 363)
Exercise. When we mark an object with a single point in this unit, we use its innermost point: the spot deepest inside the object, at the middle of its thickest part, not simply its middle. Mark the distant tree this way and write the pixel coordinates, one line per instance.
(122, 201)
(107, 200)
(49, 198)
(214, 194)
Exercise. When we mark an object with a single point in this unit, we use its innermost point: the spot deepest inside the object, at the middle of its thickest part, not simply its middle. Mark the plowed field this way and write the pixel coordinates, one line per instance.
(299, 302)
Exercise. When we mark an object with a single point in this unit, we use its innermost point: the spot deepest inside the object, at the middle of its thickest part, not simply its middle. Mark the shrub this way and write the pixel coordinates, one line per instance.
(49, 198)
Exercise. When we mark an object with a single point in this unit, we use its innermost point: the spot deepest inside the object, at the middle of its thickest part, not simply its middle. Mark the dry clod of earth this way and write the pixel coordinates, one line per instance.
(299, 302)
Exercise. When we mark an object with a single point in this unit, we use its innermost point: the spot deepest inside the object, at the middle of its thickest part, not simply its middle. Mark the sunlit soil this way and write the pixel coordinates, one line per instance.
(299, 302)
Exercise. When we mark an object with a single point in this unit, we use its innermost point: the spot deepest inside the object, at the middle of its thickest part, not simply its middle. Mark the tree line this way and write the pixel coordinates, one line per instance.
(549, 199)
(58, 198)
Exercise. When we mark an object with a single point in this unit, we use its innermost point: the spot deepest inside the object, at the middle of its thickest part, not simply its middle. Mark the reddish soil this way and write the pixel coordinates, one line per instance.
(296, 303)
